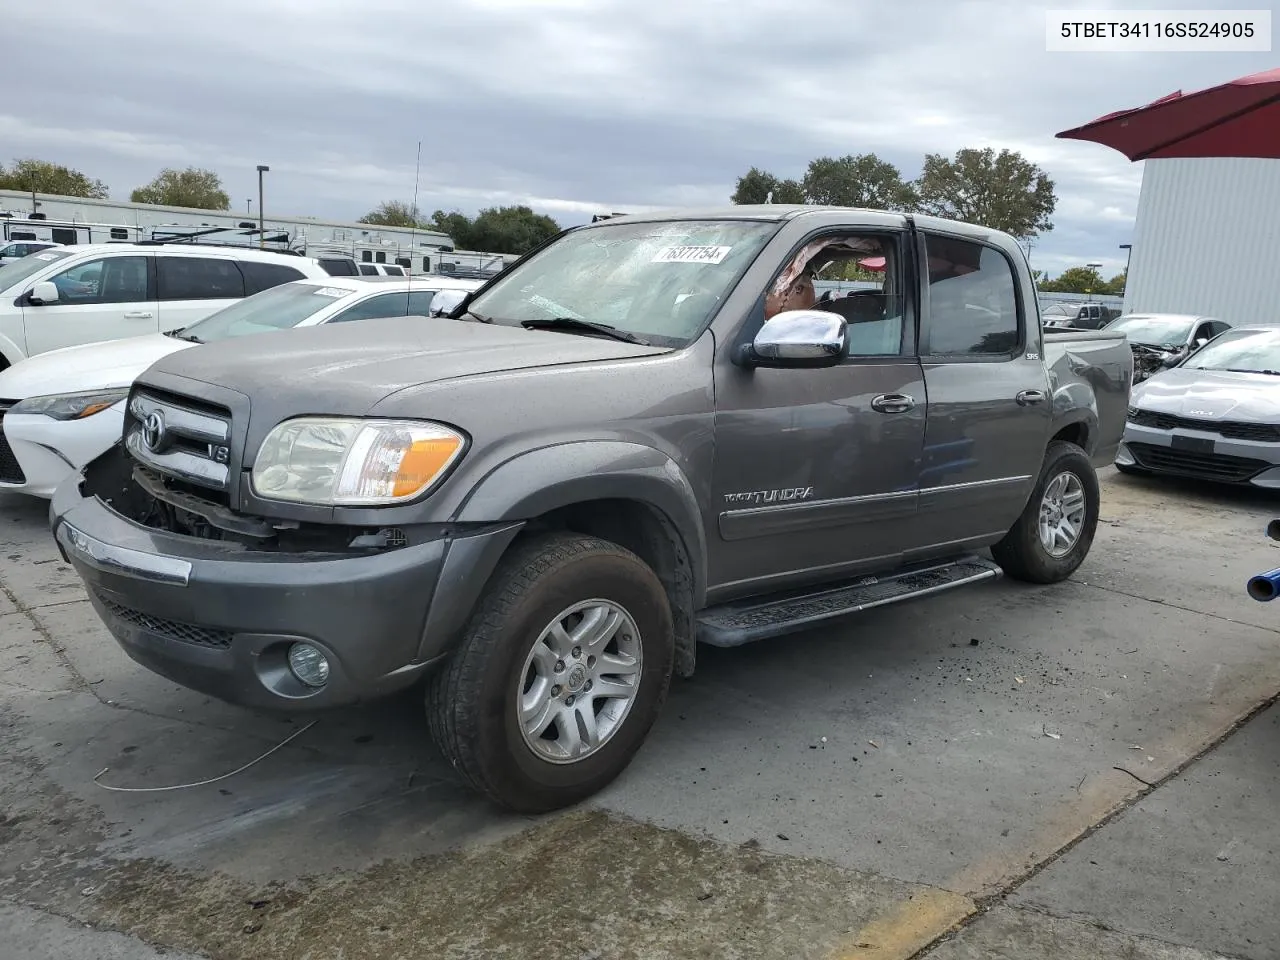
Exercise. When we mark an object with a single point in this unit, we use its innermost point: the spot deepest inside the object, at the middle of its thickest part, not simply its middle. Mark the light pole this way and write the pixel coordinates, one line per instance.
(261, 225)
(1127, 257)
(1095, 267)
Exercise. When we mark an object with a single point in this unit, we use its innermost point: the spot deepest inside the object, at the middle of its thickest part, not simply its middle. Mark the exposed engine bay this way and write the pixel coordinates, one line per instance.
(1148, 360)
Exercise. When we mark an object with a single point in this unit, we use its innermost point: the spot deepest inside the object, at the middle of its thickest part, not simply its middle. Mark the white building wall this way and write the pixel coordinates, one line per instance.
(1206, 240)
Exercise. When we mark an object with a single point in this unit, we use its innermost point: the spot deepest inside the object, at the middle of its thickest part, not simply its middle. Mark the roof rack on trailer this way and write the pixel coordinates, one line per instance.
(208, 243)
(182, 234)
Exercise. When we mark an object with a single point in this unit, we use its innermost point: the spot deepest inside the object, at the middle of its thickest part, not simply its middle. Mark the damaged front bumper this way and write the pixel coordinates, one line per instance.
(221, 617)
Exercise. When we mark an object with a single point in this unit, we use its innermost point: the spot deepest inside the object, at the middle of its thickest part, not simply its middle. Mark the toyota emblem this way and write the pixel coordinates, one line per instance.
(153, 431)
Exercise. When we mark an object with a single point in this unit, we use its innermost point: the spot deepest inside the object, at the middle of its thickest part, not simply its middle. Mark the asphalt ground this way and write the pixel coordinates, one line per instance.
(1085, 770)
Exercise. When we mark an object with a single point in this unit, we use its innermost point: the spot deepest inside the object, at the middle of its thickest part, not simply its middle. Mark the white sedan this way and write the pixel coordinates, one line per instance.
(63, 408)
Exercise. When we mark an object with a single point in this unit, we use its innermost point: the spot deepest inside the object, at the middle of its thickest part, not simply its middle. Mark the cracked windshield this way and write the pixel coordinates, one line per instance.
(661, 282)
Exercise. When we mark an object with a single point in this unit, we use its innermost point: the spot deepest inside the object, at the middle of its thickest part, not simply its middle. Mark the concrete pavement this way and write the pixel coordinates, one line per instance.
(860, 791)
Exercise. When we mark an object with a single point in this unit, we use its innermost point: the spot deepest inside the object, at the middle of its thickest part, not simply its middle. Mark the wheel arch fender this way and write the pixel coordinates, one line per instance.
(538, 482)
(10, 352)
(1076, 415)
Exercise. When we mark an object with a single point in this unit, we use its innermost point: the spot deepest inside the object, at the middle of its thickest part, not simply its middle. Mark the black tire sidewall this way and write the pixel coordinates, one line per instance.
(1020, 553)
(1062, 458)
(613, 576)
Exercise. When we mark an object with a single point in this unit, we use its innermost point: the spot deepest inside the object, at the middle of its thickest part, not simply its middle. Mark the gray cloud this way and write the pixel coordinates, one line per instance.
(573, 106)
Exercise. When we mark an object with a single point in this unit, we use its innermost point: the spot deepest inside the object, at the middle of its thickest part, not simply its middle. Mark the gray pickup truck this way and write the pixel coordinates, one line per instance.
(647, 433)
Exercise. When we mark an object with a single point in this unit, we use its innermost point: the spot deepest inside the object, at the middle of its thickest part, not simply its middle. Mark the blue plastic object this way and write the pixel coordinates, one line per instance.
(1266, 586)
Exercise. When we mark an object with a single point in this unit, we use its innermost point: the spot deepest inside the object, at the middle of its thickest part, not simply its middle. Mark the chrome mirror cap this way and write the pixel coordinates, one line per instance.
(799, 338)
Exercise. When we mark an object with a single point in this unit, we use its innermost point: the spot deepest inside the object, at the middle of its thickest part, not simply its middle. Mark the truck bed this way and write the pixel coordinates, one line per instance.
(1092, 361)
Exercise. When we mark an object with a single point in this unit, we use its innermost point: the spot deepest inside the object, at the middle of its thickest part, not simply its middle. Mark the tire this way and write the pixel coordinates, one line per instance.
(1022, 554)
(472, 702)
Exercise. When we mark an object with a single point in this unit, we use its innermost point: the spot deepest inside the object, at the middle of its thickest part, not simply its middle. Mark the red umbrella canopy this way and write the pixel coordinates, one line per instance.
(1240, 118)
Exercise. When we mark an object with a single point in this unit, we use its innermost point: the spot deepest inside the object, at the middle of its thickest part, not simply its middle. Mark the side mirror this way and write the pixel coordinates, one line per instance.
(798, 338)
(1171, 361)
(447, 301)
(1201, 341)
(43, 294)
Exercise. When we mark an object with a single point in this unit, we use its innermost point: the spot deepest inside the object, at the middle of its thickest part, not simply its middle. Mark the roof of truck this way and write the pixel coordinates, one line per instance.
(782, 211)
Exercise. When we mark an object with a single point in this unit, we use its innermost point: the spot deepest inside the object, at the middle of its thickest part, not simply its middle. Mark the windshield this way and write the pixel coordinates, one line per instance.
(1161, 330)
(12, 274)
(1248, 351)
(278, 308)
(659, 281)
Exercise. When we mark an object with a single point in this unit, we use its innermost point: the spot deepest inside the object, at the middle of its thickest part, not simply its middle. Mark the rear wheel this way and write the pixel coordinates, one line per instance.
(1053, 535)
(560, 674)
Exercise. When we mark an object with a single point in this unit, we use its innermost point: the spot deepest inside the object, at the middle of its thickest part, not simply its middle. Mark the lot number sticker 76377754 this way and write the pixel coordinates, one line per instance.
(691, 254)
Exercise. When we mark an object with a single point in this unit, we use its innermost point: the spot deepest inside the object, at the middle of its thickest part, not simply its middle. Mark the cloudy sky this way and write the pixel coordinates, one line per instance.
(572, 106)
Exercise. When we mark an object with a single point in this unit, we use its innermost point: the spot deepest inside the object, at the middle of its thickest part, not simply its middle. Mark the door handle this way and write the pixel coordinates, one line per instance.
(1028, 397)
(892, 403)
(138, 315)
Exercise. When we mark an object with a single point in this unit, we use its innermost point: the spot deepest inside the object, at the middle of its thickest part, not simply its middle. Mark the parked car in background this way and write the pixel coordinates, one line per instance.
(1159, 340)
(1213, 416)
(18, 249)
(1078, 316)
(66, 296)
(647, 433)
(61, 409)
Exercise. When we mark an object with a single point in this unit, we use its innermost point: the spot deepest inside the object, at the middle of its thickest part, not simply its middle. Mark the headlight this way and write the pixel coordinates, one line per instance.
(333, 461)
(71, 406)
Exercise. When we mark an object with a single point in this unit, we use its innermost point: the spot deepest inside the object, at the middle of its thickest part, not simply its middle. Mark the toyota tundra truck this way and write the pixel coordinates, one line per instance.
(648, 433)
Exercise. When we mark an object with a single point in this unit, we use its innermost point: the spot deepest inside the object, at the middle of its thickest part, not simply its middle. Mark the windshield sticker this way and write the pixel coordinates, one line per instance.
(332, 292)
(691, 255)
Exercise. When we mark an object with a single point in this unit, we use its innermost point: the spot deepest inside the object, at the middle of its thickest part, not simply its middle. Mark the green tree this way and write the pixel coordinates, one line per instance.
(510, 230)
(1076, 280)
(1115, 286)
(199, 189)
(456, 225)
(1002, 190)
(393, 213)
(53, 178)
(757, 186)
(857, 181)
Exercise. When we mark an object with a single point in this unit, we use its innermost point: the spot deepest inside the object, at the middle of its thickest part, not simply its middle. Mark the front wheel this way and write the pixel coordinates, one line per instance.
(1056, 529)
(560, 674)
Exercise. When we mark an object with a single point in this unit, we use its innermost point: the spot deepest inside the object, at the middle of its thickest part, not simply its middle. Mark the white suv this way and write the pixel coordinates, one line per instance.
(67, 296)
(61, 410)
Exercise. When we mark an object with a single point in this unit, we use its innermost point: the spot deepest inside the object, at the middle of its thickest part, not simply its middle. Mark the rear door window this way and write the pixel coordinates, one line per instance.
(383, 305)
(264, 276)
(198, 278)
(973, 300)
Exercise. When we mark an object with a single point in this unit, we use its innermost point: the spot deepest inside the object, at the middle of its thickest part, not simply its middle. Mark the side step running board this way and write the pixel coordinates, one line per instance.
(760, 618)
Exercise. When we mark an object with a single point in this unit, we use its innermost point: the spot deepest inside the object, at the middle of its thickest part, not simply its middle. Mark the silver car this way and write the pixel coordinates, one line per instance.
(1160, 340)
(1214, 416)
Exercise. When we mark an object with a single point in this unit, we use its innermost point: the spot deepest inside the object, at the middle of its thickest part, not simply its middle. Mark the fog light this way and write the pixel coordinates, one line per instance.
(309, 664)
